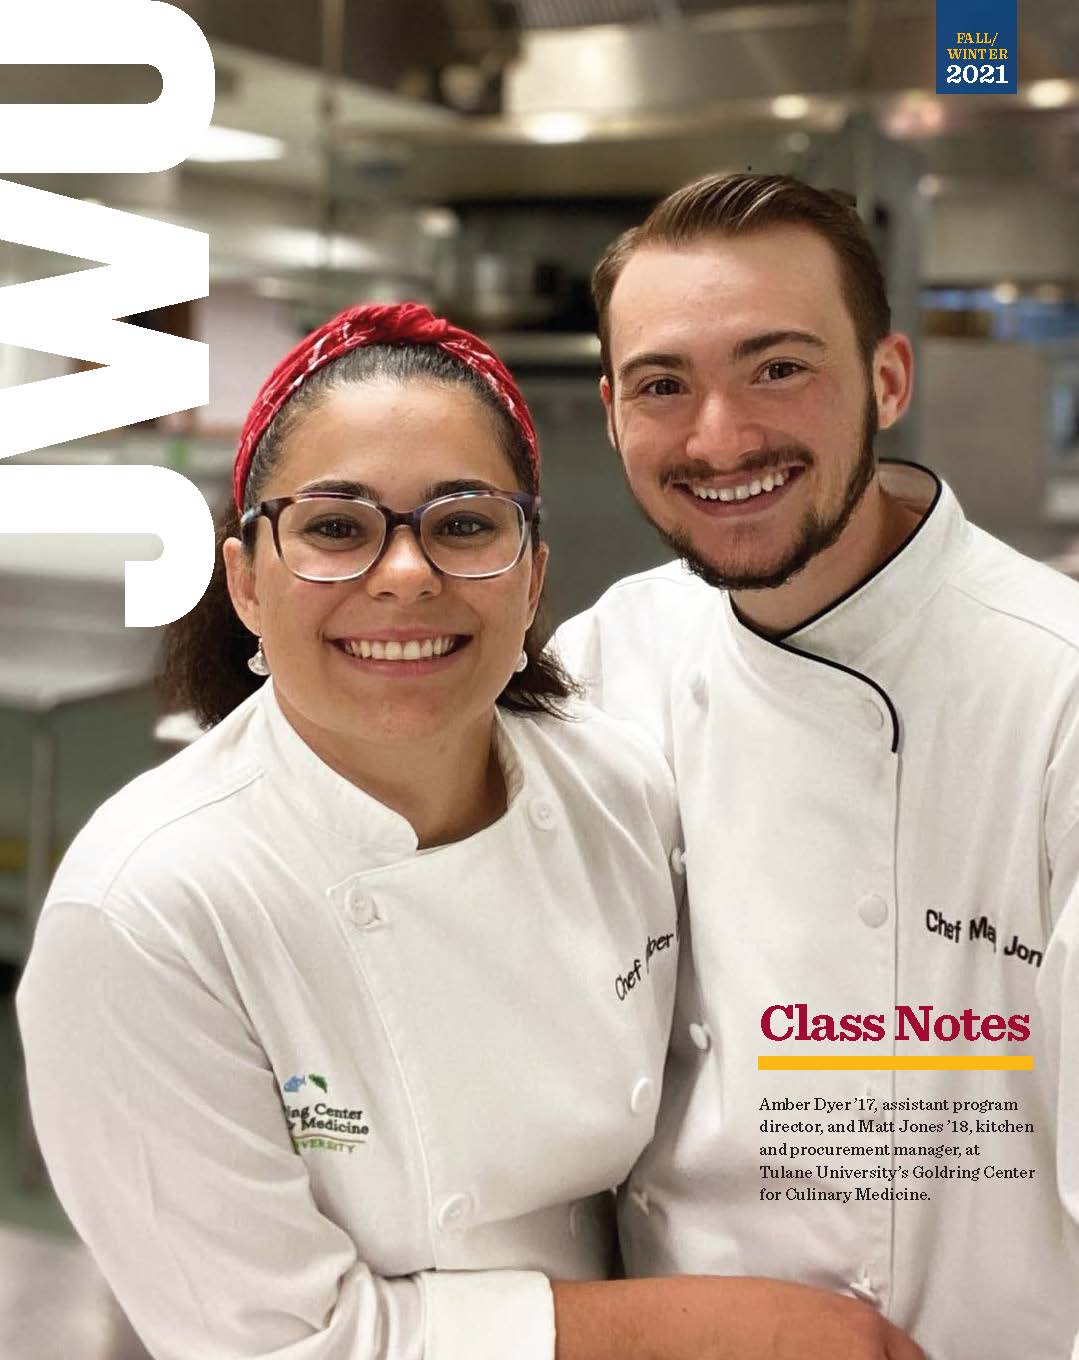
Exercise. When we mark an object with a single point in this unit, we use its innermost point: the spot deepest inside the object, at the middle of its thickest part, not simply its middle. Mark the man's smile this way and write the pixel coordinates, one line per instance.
(737, 493)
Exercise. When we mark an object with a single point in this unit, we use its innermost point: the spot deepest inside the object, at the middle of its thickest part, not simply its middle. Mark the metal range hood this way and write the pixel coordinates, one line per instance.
(717, 87)
(414, 48)
(760, 52)
(621, 60)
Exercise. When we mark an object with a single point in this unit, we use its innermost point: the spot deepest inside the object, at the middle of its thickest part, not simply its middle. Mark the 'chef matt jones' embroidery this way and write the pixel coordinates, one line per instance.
(321, 1125)
(624, 983)
(980, 928)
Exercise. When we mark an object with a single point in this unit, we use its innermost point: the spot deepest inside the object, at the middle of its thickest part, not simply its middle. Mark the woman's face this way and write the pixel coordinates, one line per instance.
(399, 443)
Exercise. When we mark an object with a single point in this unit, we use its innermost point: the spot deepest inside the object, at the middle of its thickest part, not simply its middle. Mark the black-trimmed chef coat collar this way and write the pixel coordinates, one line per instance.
(848, 629)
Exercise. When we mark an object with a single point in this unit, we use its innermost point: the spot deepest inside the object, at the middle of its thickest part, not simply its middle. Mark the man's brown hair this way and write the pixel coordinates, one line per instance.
(735, 205)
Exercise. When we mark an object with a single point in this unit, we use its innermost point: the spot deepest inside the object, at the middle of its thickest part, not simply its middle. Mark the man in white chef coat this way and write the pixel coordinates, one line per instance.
(872, 712)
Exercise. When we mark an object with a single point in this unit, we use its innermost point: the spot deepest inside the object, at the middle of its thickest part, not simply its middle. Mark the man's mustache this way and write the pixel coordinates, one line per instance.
(761, 462)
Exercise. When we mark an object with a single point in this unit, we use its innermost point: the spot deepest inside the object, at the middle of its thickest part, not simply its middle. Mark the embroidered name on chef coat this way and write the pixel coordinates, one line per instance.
(624, 983)
(982, 929)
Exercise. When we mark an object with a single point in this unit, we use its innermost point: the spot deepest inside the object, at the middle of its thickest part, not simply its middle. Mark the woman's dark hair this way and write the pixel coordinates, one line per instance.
(204, 656)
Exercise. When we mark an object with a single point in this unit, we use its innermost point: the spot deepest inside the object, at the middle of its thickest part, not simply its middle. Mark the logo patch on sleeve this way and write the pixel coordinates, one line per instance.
(318, 1124)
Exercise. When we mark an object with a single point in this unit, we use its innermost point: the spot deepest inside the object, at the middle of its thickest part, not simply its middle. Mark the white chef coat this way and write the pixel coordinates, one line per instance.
(310, 1092)
(906, 760)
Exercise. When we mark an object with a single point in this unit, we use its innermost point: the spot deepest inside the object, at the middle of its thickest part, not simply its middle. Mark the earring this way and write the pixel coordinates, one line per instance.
(522, 663)
(258, 664)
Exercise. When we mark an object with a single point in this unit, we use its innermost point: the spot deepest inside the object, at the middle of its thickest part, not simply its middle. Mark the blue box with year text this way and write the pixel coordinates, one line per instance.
(977, 46)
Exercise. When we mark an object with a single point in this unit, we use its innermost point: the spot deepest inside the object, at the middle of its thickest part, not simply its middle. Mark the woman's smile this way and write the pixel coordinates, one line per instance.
(403, 652)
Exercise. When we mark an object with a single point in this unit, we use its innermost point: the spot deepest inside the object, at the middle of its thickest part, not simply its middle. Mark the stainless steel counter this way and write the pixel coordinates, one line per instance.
(62, 642)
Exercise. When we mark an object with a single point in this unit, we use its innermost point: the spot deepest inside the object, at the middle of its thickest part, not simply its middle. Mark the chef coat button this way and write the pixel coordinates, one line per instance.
(701, 1036)
(873, 716)
(640, 1098)
(541, 814)
(362, 909)
(454, 1213)
(873, 910)
(698, 684)
(678, 860)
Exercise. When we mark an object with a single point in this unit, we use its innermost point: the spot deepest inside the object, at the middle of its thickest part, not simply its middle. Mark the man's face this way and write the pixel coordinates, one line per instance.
(741, 405)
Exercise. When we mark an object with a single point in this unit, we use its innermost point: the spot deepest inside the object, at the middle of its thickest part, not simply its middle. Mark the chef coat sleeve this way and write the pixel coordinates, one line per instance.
(1058, 1011)
(163, 1131)
(609, 650)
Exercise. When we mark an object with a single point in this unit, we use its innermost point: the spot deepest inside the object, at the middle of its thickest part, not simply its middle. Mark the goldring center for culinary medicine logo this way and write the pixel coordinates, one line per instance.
(318, 1124)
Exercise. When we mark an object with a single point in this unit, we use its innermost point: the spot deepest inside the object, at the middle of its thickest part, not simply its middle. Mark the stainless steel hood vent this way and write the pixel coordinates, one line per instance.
(401, 45)
(582, 13)
(585, 13)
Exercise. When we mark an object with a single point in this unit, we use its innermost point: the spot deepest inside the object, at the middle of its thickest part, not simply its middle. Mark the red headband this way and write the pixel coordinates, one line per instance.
(401, 323)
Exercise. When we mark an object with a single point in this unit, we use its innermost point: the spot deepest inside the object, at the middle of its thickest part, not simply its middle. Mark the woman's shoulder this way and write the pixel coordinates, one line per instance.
(165, 818)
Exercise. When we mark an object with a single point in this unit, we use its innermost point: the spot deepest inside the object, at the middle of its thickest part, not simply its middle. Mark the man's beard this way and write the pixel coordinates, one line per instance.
(816, 533)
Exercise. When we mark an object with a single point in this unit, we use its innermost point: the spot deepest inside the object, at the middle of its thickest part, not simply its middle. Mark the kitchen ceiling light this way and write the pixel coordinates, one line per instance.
(223, 144)
(916, 115)
(790, 106)
(1049, 94)
(441, 223)
(558, 127)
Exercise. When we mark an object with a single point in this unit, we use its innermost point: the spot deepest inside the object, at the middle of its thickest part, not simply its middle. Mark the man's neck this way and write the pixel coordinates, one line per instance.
(879, 526)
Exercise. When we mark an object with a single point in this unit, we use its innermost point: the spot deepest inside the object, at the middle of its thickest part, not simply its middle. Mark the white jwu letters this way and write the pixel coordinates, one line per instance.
(144, 265)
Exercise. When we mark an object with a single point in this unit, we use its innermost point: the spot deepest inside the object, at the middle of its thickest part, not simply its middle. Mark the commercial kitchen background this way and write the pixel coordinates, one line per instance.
(477, 155)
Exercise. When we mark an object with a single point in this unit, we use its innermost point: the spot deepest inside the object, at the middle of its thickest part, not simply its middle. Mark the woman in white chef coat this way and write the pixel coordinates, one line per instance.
(340, 1023)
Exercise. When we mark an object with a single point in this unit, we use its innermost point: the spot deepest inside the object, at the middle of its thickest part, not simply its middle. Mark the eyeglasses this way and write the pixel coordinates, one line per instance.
(330, 536)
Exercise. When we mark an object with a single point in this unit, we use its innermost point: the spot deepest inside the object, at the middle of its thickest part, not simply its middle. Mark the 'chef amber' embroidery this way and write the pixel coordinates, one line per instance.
(624, 983)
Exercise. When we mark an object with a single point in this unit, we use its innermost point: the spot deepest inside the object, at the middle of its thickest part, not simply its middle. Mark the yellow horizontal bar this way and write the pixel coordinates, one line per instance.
(971, 1062)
